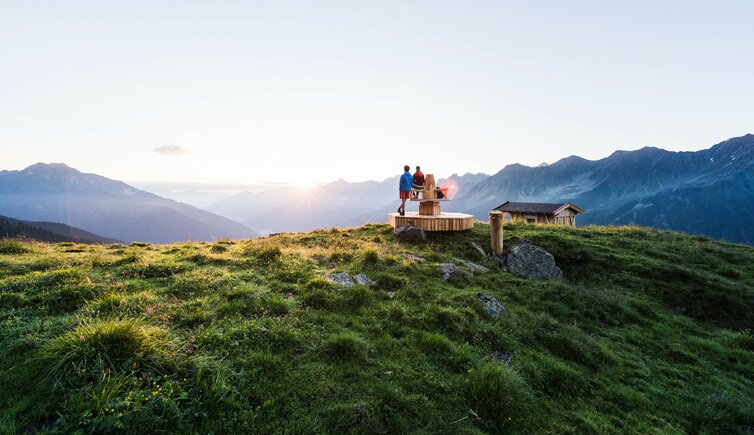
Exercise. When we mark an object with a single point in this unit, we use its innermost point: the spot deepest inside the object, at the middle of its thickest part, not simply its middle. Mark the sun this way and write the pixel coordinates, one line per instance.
(305, 185)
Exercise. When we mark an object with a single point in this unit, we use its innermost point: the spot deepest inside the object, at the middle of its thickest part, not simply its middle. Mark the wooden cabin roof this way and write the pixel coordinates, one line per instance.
(536, 207)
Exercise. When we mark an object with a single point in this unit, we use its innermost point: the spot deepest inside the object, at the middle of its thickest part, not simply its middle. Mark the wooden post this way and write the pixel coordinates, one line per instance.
(429, 187)
(496, 232)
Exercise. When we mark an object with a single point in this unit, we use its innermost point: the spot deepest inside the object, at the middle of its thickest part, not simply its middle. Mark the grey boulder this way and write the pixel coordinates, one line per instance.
(531, 261)
(410, 233)
(340, 278)
(492, 307)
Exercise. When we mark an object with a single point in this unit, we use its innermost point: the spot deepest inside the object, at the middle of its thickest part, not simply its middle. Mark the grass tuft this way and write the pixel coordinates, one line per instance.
(122, 345)
(10, 246)
(500, 397)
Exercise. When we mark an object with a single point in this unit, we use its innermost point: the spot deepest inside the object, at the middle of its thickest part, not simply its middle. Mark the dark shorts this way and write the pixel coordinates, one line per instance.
(404, 194)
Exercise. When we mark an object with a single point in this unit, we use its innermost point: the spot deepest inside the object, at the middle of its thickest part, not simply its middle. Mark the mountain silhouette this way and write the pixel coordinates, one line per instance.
(709, 192)
(57, 193)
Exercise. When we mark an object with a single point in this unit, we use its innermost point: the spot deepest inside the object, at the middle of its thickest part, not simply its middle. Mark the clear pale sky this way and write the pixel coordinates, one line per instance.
(311, 91)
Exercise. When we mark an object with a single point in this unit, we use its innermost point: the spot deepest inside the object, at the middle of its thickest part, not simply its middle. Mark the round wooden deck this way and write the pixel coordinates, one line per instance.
(441, 222)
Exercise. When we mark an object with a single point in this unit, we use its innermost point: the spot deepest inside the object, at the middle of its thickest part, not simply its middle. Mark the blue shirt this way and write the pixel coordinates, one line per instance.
(407, 181)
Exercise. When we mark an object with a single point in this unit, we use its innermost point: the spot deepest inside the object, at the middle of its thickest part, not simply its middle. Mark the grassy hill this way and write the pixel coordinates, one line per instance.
(649, 332)
(48, 232)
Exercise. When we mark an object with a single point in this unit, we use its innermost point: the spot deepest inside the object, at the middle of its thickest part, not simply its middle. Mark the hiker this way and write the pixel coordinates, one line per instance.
(404, 188)
(418, 181)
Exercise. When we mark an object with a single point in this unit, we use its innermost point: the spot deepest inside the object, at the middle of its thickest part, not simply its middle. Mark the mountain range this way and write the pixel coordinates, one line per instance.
(57, 193)
(708, 192)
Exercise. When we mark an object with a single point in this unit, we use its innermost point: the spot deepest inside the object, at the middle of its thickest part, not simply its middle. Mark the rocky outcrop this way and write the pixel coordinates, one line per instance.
(531, 261)
(410, 233)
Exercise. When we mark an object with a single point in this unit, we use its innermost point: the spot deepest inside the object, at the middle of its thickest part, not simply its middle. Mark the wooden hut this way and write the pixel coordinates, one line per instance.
(541, 213)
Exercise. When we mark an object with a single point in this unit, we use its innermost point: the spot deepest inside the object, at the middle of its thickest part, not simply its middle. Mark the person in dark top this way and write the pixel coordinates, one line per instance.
(404, 188)
(418, 180)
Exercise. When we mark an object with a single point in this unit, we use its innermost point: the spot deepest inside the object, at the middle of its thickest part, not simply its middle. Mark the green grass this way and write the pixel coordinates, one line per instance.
(650, 331)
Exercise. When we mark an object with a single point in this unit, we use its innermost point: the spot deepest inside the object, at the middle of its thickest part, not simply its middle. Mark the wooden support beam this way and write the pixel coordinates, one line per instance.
(429, 208)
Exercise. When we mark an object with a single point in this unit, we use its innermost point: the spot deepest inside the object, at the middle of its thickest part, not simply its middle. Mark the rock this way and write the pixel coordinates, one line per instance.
(447, 270)
(479, 249)
(473, 266)
(341, 278)
(491, 305)
(391, 295)
(531, 261)
(362, 279)
(410, 233)
(414, 257)
(550, 330)
(501, 357)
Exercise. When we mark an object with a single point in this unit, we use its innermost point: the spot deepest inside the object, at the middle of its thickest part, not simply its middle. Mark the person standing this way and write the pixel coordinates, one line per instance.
(404, 188)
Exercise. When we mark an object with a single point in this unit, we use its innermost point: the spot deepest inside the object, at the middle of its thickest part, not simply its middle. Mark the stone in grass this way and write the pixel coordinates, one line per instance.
(410, 233)
(447, 270)
(362, 279)
(491, 306)
(501, 357)
(346, 280)
(531, 261)
(414, 257)
(472, 266)
(340, 278)
(479, 249)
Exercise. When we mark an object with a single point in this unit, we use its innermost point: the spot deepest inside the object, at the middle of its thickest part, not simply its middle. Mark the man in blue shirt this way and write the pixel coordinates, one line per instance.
(404, 189)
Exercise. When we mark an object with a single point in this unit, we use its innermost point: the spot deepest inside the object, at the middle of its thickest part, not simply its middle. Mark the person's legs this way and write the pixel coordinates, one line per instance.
(404, 195)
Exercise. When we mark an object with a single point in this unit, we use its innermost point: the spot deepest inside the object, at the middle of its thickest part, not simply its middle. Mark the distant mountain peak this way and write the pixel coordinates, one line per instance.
(641, 153)
(48, 167)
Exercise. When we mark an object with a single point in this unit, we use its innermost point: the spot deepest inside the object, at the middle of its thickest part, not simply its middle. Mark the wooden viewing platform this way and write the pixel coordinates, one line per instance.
(440, 222)
(429, 217)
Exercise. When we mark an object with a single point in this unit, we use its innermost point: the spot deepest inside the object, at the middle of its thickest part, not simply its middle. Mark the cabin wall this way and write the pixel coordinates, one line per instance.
(566, 218)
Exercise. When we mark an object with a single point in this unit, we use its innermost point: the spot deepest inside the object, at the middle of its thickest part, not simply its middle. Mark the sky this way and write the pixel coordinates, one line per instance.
(306, 92)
